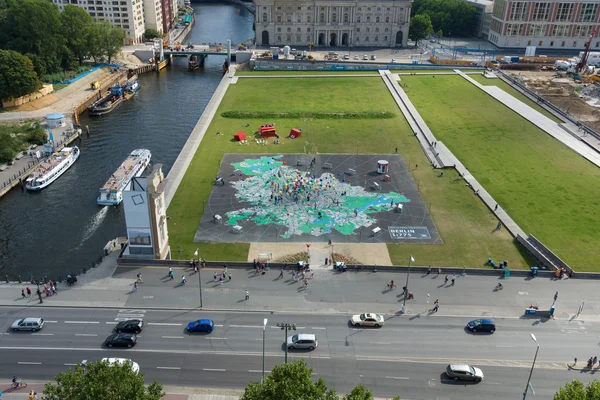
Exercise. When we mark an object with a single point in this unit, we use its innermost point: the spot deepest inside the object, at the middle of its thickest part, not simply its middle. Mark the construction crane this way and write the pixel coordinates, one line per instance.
(582, 63)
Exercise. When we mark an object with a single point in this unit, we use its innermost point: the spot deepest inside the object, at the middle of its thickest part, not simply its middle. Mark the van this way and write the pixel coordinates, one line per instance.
(28, 324)
(305, 341)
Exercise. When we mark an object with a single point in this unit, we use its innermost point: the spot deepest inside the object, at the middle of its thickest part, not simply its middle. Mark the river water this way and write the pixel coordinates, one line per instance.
(62, 228)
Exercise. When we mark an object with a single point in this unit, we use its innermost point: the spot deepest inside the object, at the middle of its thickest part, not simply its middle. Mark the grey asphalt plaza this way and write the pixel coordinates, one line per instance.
(293, 221)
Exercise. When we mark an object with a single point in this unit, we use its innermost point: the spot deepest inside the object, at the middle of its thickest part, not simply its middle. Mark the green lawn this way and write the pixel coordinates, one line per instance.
(548, 189)
(464, 223)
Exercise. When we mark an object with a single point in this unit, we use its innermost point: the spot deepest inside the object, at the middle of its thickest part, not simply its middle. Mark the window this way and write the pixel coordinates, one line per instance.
(597, 44)
(574, 43)
(322, 18)
(265, 17)
(514, 29)
(376, 29)
(289, 30)
(376, 19)
(278, 39)
(560, 30)
(307, 29)
(278, 8)
(346, 18)
(562, 44)
(308, 19)
(298, 18)
(386, 29)
(289, 39)
(378, 9)
(540, 11)
(540, 43)
(537, 30)
(289, 19)
(334, 18)
(564, 12)
(376, 38)
(279, 29)
(583, 30)
(385, 38)
(307, 38)
(278, 18)
(551, 43)
(387, 19)
(368, 30)
(529, 43)
(299, 8)
(298, 40)
(357, 29)
(298, 30)
(358, 19)
(367, 39)
(368, 18)
(517, 11)
(588, 12)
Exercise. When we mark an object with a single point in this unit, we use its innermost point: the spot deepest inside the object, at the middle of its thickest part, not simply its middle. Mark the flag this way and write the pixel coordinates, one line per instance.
(412, 259)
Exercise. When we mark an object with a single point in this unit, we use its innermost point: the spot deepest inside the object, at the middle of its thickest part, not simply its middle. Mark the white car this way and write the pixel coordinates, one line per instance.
(367, 319)
(356, 57)
(134, 366)
(365, 57)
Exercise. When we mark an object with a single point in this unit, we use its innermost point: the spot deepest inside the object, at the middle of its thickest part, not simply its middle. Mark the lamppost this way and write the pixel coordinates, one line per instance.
(199, 279)
(532, 365)
(411, 259)
(285, 326)
(264, 331)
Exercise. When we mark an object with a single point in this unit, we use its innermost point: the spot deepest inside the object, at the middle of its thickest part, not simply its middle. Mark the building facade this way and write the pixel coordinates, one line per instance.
(483, 18)
(358, 23)
(153, 15)
(127, 14)
(550, 24)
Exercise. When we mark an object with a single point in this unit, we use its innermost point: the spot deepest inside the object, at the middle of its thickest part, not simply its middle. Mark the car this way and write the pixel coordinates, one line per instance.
(201, 325)
(113, 361)
(32, 324)
(121, 340)
(373, 57)
(356, 57)
(368, 319)
(365, 57)
(393, 60)
(346, 56)
(482, 325)
(302, 341)
(464, 372)
(130, 326)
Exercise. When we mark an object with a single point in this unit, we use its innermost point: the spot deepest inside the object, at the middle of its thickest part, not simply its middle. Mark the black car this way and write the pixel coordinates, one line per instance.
(482, 325)
(130, 326)
(121, 340)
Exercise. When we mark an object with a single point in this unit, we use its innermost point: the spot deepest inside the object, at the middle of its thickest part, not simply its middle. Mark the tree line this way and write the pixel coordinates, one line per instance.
(444, 17)
(38, 39)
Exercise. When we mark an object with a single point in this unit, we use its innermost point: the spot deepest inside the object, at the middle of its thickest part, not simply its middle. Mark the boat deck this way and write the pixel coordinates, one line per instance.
(50, 163)
(122, 174)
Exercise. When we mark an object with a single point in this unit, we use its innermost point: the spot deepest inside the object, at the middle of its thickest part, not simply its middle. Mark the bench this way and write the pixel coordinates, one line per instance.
(376, 231)
(327, 165)
(350, 171)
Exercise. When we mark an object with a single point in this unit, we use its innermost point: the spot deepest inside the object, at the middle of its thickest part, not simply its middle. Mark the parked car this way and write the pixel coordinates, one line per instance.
(201, 325)
(302, 341)
(121, 340)
(367, 319)
(135, 367)
(464, 372)
(365, 57)
(373, 57)
(346, 56)
(32, 324)
(130, 326)
(482, 325)
(356, 57)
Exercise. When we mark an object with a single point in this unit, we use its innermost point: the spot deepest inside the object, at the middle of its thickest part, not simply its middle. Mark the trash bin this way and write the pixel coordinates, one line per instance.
(534, 271)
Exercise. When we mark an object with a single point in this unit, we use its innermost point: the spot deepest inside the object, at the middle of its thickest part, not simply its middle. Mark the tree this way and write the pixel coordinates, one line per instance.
(151, 34)
(75, 28)
(420, 28)
(439, 34)
(575, 390)
(451, 16)
(17, 76)
(360, 392)
(99, 380)
(290, 381)
(108, 39)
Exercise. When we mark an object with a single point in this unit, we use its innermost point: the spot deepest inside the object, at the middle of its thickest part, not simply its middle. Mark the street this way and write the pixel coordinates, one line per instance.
(406, 357)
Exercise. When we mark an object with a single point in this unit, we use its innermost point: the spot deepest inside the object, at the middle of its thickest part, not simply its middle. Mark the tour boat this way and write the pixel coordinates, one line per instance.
(111, 193)
(50, 169)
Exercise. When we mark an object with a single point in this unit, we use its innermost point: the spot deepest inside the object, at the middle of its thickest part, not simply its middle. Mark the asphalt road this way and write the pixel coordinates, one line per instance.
(406, 357)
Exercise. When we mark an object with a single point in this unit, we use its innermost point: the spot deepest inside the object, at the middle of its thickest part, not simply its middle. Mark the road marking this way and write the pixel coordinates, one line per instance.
(216, 338)
(82, 322)
(29, 363)
(277, 327)
(248, 326)
(385, 343)
(213, 369)
(43, 334)
(258, 370)
(111, 323)
(162, 324)
(172, 337)
(397, 377)
(219, 326)
(50, 322)
(317, 327)
(86, 334)
(168, 368)
(70, 364)
(506, 345)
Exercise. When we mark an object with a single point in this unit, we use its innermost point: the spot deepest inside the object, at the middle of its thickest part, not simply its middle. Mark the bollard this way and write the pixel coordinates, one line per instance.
(84, 270)
(7, 281)
(20, 281)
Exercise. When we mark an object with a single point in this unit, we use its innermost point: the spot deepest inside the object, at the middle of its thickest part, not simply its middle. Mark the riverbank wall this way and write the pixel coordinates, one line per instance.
(95, 95)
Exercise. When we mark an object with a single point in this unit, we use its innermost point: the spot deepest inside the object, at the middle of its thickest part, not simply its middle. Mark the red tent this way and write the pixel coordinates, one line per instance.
(294, 133)
(240, 136)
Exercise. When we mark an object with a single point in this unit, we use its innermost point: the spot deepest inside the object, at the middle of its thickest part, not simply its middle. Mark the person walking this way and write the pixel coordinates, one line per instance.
(446, 280)
(54, 291)
(230, 277)
(280, 274)
(23, 293)
(215, 276)
(170, 272)
(220, 279)
(595, 360)
(247, 295)
(326, 260)
(28, 292)
(139, 278)
(312, 274)
(135, 286)
(555, 296)
(428, 270)
(453, 280)
(439, 271)
(436, 305)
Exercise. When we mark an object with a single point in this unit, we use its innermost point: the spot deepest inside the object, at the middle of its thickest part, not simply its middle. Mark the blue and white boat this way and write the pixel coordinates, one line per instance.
(111, 194)
(52, 168)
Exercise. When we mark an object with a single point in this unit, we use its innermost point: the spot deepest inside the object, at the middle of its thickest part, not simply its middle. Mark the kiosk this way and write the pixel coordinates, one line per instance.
(383, 167)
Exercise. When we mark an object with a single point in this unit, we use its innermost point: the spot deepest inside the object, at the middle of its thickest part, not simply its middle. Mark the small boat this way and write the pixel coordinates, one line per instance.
(111, 194)
(50, 169)
(114, 97)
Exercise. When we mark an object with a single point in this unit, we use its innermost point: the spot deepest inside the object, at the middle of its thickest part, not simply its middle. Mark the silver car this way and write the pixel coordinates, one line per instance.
(32, 324)
(302, 341)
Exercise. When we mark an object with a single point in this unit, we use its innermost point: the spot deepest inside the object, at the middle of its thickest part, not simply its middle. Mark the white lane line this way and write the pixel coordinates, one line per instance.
(217, 338)
(70, 364)
(50, 322)
(385, 343)
(162, 324)
(220, 326)
(259, 370)
(86, 334)
(43, 334)
(505, 345)
(317, 327)
(249, 326)
(29, 363)
(172, 337)
(397, 377)
(168, 368)
(111, 323)
(82, 322)
(276, 327)
(214, 369)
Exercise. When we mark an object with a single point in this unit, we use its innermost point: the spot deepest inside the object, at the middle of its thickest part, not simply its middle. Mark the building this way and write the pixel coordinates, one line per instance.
(145, 216)
(549, 24)
(127, 14)
(153, 15)
(168, 15)
(483, 18)
(357, 23)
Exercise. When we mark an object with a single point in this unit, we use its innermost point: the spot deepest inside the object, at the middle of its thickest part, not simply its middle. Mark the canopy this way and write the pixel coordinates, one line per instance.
(240, 136)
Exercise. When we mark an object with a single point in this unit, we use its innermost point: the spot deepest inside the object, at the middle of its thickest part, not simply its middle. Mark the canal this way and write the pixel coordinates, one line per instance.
(62, 228)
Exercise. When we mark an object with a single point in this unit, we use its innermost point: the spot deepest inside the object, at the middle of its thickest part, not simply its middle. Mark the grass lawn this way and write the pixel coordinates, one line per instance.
(57, 86)
(548, 189)
(463, 222)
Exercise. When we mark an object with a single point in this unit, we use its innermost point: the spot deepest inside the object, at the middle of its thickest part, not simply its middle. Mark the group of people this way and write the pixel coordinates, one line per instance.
(49, 289)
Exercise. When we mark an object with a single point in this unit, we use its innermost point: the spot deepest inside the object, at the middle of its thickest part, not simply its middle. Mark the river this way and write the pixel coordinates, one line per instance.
(62, 228)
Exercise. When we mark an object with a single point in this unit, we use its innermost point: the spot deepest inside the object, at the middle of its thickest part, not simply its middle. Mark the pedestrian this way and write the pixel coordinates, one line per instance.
(135, 286)
(139, 278)
(170, 272)
(496, 207)
(312, 274)
(575, 361)
(215, 276)
(326, 260)
(23, 293)
(39, 295)
(54, 291)
(436, 305)
(396, 150)
(225, 270)
(446, 280)
(247, 295)
(428, 270)
(305, 282)
(220, 279)
(555, 296)
(230, 277)
(595, 360)
(453, 279)
(439, 272)
(281, 273)
(28, 292)
(499, 225)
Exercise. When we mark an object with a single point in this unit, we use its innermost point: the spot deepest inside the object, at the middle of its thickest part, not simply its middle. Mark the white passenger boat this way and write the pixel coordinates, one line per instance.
(53, 167)
(111, 193)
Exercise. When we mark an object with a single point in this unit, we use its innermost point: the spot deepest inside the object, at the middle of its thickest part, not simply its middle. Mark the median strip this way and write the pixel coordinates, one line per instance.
(42, 334)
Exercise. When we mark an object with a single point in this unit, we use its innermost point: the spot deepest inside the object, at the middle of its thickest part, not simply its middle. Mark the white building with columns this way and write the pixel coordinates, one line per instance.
(334, 23)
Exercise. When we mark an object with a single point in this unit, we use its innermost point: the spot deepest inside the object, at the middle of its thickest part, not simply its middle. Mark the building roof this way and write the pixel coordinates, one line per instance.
(54, 116)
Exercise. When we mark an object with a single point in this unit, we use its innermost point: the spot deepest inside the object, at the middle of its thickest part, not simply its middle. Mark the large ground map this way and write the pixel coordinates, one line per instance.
(269, 198)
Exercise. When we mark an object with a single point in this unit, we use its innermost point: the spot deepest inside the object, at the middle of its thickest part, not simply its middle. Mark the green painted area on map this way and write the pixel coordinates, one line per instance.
(258, 166)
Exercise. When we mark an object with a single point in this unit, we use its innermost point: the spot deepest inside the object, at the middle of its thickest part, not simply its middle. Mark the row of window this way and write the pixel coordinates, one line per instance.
(298, 39)
(333, 19)
(541, 12)
(97, 2)
(298, 30)
(540, 30)
(289, 8)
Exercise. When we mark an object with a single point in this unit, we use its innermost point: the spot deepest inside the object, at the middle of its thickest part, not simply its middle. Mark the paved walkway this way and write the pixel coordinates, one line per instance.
(540, 120)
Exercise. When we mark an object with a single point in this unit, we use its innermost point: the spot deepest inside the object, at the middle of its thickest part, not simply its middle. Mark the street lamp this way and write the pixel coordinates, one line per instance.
(406, 286)
(532, 365)
(286, 326)
(264, 331)
(199, 279)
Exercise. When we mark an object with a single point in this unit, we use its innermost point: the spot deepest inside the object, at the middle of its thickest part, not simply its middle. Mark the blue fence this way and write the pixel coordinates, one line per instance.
(97, 67)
